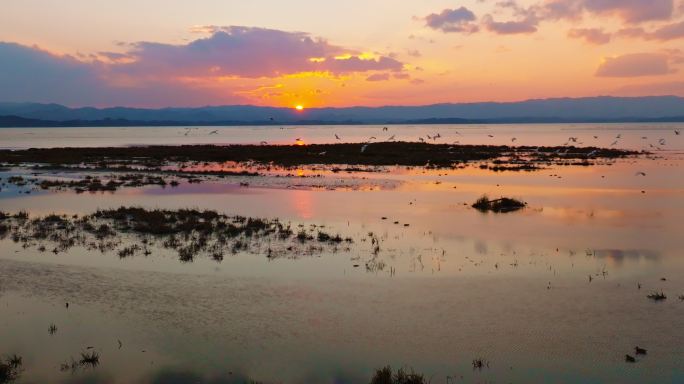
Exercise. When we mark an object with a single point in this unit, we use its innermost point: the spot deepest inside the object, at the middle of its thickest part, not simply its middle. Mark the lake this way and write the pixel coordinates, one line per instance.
(556, 292)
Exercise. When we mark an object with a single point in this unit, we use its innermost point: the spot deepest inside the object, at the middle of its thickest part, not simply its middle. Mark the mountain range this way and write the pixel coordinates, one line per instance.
(575, 110)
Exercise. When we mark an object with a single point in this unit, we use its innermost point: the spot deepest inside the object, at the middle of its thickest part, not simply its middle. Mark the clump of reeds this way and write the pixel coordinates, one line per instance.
(657, 296)
(480, 363)
(502, 205)
(90, 359)
(10, 369)
(387, 376)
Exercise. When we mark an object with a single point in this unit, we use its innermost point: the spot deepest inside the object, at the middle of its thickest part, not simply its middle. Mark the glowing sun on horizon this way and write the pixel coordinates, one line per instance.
(299, 107)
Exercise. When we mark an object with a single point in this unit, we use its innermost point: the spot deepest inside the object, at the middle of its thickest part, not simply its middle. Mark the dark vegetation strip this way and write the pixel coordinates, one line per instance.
(379, 154)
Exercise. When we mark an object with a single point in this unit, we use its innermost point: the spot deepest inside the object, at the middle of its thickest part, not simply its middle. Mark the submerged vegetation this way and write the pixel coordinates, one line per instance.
(132, 231)
(10, 369)
(502, 205)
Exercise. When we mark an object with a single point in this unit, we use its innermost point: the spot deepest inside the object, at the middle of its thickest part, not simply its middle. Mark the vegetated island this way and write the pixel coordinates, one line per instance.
(371, 154)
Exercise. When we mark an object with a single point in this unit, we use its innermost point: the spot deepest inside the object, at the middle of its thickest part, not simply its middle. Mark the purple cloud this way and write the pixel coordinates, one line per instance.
(156, 74)
(378, 77)
(663, 33)
(635, 65)
(453, 20)
(527, 25)
(590, 35)
(250, 53)
(632, 11)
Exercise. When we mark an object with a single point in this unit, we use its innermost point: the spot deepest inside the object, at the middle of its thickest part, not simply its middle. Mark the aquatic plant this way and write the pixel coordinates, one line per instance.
(90, 359)
(133, 230)
(480, 364)
(10, 369)
(657, 296)
(385, 375)
(502, 205)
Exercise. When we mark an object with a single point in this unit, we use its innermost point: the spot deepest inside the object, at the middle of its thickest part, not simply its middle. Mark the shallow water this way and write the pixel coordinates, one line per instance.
(632, 135)
(454, 285)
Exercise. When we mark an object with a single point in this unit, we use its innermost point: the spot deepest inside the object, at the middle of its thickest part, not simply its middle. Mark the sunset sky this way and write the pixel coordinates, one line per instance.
(317, 53)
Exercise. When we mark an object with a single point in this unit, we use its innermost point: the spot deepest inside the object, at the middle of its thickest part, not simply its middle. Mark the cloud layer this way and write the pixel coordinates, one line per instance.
(635, 65)
(526, 20)
(179, 73)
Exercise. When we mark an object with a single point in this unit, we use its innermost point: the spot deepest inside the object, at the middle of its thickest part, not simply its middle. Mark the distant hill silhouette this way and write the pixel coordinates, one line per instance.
(578, 110)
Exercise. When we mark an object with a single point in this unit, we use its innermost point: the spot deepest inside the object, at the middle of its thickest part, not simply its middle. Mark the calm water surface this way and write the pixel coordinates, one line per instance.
(452, 286)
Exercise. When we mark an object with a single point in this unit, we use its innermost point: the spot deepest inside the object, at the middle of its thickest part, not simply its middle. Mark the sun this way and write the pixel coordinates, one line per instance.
(299, 107)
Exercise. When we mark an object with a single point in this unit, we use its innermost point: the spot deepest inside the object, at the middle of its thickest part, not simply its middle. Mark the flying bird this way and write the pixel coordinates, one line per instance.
(384, 128)
(614, 143)
(513, 140)
(264, 143)
(363, 148)
(337, 137)
(677, 132)
(391, 138)
(490, 135)
(640, 174)
(214, 132)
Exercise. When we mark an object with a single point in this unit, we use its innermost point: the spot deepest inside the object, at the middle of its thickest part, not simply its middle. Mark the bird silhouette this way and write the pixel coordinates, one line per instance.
(337, 137)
